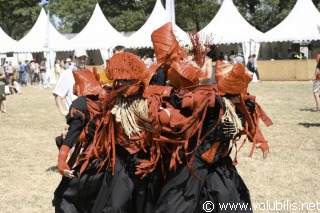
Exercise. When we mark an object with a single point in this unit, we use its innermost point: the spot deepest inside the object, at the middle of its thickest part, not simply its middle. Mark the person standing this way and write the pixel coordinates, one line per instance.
(239, 58)
(255, 65)
(28, 73)
(3, 104)
(10, 70)
(32, 70)
(250, 64)
(64, 86)
(43, 72)
(316, 84)
(22, 74)
(57, 69)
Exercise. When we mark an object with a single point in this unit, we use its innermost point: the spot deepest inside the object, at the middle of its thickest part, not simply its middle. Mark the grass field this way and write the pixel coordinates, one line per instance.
(287, 181)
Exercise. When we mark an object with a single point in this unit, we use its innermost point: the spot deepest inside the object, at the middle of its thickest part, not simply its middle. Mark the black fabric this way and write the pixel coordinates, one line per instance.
(117, 197)
(251, 106)
(77, 122)
(186, 191)
(182, 190)
(79, 193)
(127, 192)
(59, 141)
(159, 78)
(225, 188)
(250, 66)
(219, 183)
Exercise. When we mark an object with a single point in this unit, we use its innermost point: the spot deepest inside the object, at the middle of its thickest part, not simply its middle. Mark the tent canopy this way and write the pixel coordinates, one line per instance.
(7, 44)
(236, 31)
(98, 34)
(158, 17)
(302, 24)
(43, 36)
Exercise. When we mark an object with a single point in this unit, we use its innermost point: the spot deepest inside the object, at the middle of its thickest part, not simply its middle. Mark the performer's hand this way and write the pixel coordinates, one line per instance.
(62, 159)
(68, 173)
(64, 133)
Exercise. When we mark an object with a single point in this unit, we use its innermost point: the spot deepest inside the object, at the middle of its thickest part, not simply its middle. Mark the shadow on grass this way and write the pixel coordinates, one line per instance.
(310, 110)
(52, 169)
(307, 125)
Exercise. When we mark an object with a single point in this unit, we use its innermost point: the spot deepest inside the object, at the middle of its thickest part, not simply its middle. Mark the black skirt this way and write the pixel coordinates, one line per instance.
(122, 192)
(218, 184)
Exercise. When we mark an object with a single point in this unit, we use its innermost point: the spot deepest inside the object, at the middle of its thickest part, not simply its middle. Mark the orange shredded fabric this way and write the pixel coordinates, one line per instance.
(234, 80)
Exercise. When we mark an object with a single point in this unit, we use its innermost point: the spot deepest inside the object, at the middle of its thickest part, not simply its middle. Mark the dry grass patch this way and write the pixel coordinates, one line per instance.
(28, 155)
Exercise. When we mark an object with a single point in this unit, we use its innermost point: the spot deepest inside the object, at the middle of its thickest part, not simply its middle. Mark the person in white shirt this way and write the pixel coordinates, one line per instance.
(239, 58)
(64, 87)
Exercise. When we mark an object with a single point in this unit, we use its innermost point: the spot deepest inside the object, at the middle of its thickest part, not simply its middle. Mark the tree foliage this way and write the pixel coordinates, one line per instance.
(266, 14)
(73, 15)
(196, 14)
(131, 17)
(17, 17)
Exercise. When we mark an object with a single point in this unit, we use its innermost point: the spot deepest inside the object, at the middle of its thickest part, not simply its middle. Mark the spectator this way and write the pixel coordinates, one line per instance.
(28, 73)
(32, 70)
(36, 74)
(250, 64)
(239, 58)
(255, 65)
(232, 56)
(3, 103)
(10, 70)
(57, 68)
(316, 84)
(43, 73)
(22, 74)
(70, 65)
(64, 86)
(15, 87)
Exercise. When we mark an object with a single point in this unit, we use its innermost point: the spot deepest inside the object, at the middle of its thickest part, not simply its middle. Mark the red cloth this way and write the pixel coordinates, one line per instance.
(232, 79)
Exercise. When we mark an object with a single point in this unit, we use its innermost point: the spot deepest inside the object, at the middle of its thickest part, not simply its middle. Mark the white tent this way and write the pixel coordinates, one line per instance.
(42, 37)
(228, 26)
(158, 17)
(302, 24)
(98, 34)
(7, 44)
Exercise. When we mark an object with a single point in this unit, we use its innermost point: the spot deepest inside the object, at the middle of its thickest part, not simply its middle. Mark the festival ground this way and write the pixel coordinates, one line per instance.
(288, 178)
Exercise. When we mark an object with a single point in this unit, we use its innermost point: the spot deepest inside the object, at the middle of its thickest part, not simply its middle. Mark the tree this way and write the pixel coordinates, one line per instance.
(196, 14)
(132, 15)
(265, 14)
(73, 15)
(17, 17)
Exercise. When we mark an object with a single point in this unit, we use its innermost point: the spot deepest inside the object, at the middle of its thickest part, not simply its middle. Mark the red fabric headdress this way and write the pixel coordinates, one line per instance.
(127, 66)
(168, 51)
(87, 83)
(232, 79)
(166, 46)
